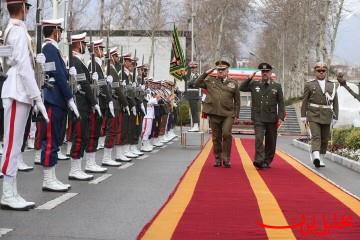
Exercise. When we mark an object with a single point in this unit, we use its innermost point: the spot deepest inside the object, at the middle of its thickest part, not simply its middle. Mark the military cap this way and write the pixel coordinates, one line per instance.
(78, 37)
(53, 23)
(113, 51)
(126, 56)
(193, 64)
(99, 43)
(222, 64)
(157, 81)
(148, 79)
(18, 1)
(264, 67)
(320, 65)
(143, 66)
(171, 83)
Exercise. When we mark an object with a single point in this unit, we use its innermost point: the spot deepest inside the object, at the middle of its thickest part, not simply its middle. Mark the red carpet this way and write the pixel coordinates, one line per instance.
(219, 203)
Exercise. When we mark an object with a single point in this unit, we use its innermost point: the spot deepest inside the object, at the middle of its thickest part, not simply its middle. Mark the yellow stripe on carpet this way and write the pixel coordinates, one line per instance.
(270, 210)
(165, 223)
(336, 192)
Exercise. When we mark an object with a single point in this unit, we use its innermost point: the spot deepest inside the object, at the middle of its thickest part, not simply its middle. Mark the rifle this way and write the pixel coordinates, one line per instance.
(70, 60)
(39, 71)
(142, 70)
(134, 70)
(93, 68)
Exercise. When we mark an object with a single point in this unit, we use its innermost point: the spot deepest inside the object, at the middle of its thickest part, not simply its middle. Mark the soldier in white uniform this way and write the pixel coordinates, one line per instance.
(19, 92)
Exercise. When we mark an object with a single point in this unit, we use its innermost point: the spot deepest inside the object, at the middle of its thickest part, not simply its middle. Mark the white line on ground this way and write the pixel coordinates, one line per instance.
(100, 179)
(171, 142)
(57, 201)
(126, 165)
(155, 151)
(4, 231)
(143, 157)
(163, 146)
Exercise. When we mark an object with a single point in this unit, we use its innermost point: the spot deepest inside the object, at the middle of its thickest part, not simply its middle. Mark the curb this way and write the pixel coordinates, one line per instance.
(346, 162)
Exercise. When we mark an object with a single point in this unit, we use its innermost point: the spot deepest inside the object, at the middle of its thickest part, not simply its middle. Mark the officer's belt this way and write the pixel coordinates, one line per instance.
(320, 106)
(192, 90)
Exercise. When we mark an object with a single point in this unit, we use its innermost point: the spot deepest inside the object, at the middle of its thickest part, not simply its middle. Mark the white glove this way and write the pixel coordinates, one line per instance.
(72, 71)
(143, 108)
(134, 84)
(127, 109)
(303, 120)
(109, 79)
(95, 76)
(133, 109)
(111, 108)
(333, 122)
(40, 58)
(35, 109)
(73, 107)
(123, 83)
(40, 105)
(142, 87)
(97, 108)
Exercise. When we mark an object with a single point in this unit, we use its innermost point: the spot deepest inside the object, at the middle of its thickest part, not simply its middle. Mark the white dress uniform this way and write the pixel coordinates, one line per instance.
(19, 91)
(147, 124)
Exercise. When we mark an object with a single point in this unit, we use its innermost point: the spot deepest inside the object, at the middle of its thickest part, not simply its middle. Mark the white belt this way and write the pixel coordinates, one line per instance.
(320, 106)
(192, 90)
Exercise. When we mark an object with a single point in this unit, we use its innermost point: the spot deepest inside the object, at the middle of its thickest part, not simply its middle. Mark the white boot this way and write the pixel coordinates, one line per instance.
(31, 143)
(172, 134)
(195, 128)
(76, 173)
(50, 183)
(1, 175)
(119, 154)
(10, 198)
(91, 165)
(101, 143)
(168, 137)
(37, 157)
(68, 148)
(127, 152)
(322, 158)
(61, 156)
(58, 181)
(22, 166)
(157, 143)
(316, 158)
(145, 147)
(107, 159)
(135, 150)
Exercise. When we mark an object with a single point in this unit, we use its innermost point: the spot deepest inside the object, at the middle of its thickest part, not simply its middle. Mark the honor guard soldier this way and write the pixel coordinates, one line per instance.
(2, 79)
(57, 99)
(87, 105)
(319, 110)
(193, 96)
(267, 108)
(342, 81)
(222, 105)
(20, 91)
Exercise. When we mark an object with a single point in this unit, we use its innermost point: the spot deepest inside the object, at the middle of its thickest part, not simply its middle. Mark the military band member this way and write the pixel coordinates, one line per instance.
(193, 96)
(19, 92)
(267, 109)
(222, 105)
(342, 82)
(57, 99)
(319, 110)
(87, 105)
(155, 130)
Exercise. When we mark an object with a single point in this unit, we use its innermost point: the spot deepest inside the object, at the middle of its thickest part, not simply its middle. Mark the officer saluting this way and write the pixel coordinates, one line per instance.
(57, 99)
(319, 109)
(267, 107)
(222, 105)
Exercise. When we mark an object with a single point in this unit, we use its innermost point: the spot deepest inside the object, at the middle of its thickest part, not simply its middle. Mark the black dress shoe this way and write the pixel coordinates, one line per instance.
(258, 165)
(226, 165)
(217, 164)
(266, 165)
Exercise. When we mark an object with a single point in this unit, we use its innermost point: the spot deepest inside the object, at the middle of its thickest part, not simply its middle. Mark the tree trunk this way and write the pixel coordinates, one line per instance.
(101, 10)
(220, 33)
(155, 22)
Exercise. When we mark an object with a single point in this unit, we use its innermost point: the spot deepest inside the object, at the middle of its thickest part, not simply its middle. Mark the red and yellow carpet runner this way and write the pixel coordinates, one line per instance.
(285, 202)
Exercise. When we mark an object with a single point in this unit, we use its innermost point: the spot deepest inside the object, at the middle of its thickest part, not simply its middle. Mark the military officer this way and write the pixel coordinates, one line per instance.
(319, 110)
(267, 109)
(19, 92)
(222, 104)
(57, 99)
(342, 81)
(193, 96)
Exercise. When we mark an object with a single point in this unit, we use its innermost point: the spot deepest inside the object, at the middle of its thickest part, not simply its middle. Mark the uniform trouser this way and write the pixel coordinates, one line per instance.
(51, 133)
(1, 124)
(269, 131)
(69, 129)
(194, 108)
(163, 122)
(94, 132)
(138, 128)
(26, 132)
(62, 131)
(125, 128)
(155, 127)
(320, 136)
(80, 135)
(146, 129)
(112, 129)
(132, 127)
(170, 122)
(15, 117)
(221, 137)
(38, 135)
(104, 122)
(119, 123)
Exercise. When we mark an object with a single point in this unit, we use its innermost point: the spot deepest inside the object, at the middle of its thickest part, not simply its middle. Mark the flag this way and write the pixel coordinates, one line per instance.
(177, 62)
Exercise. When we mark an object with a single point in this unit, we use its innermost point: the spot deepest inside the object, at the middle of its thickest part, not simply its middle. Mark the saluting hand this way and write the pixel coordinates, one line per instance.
(252, 75)
(340, 78)
(210, 70)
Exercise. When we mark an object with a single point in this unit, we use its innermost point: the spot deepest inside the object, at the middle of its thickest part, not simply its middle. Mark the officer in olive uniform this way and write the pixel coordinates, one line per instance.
(319, 110)
(193, 96)
(222, 105)
(342, 81)
(267, 109)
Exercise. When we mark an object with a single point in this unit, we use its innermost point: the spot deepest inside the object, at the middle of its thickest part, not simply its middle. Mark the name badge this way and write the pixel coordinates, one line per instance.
(231, 85)
(257, 89)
